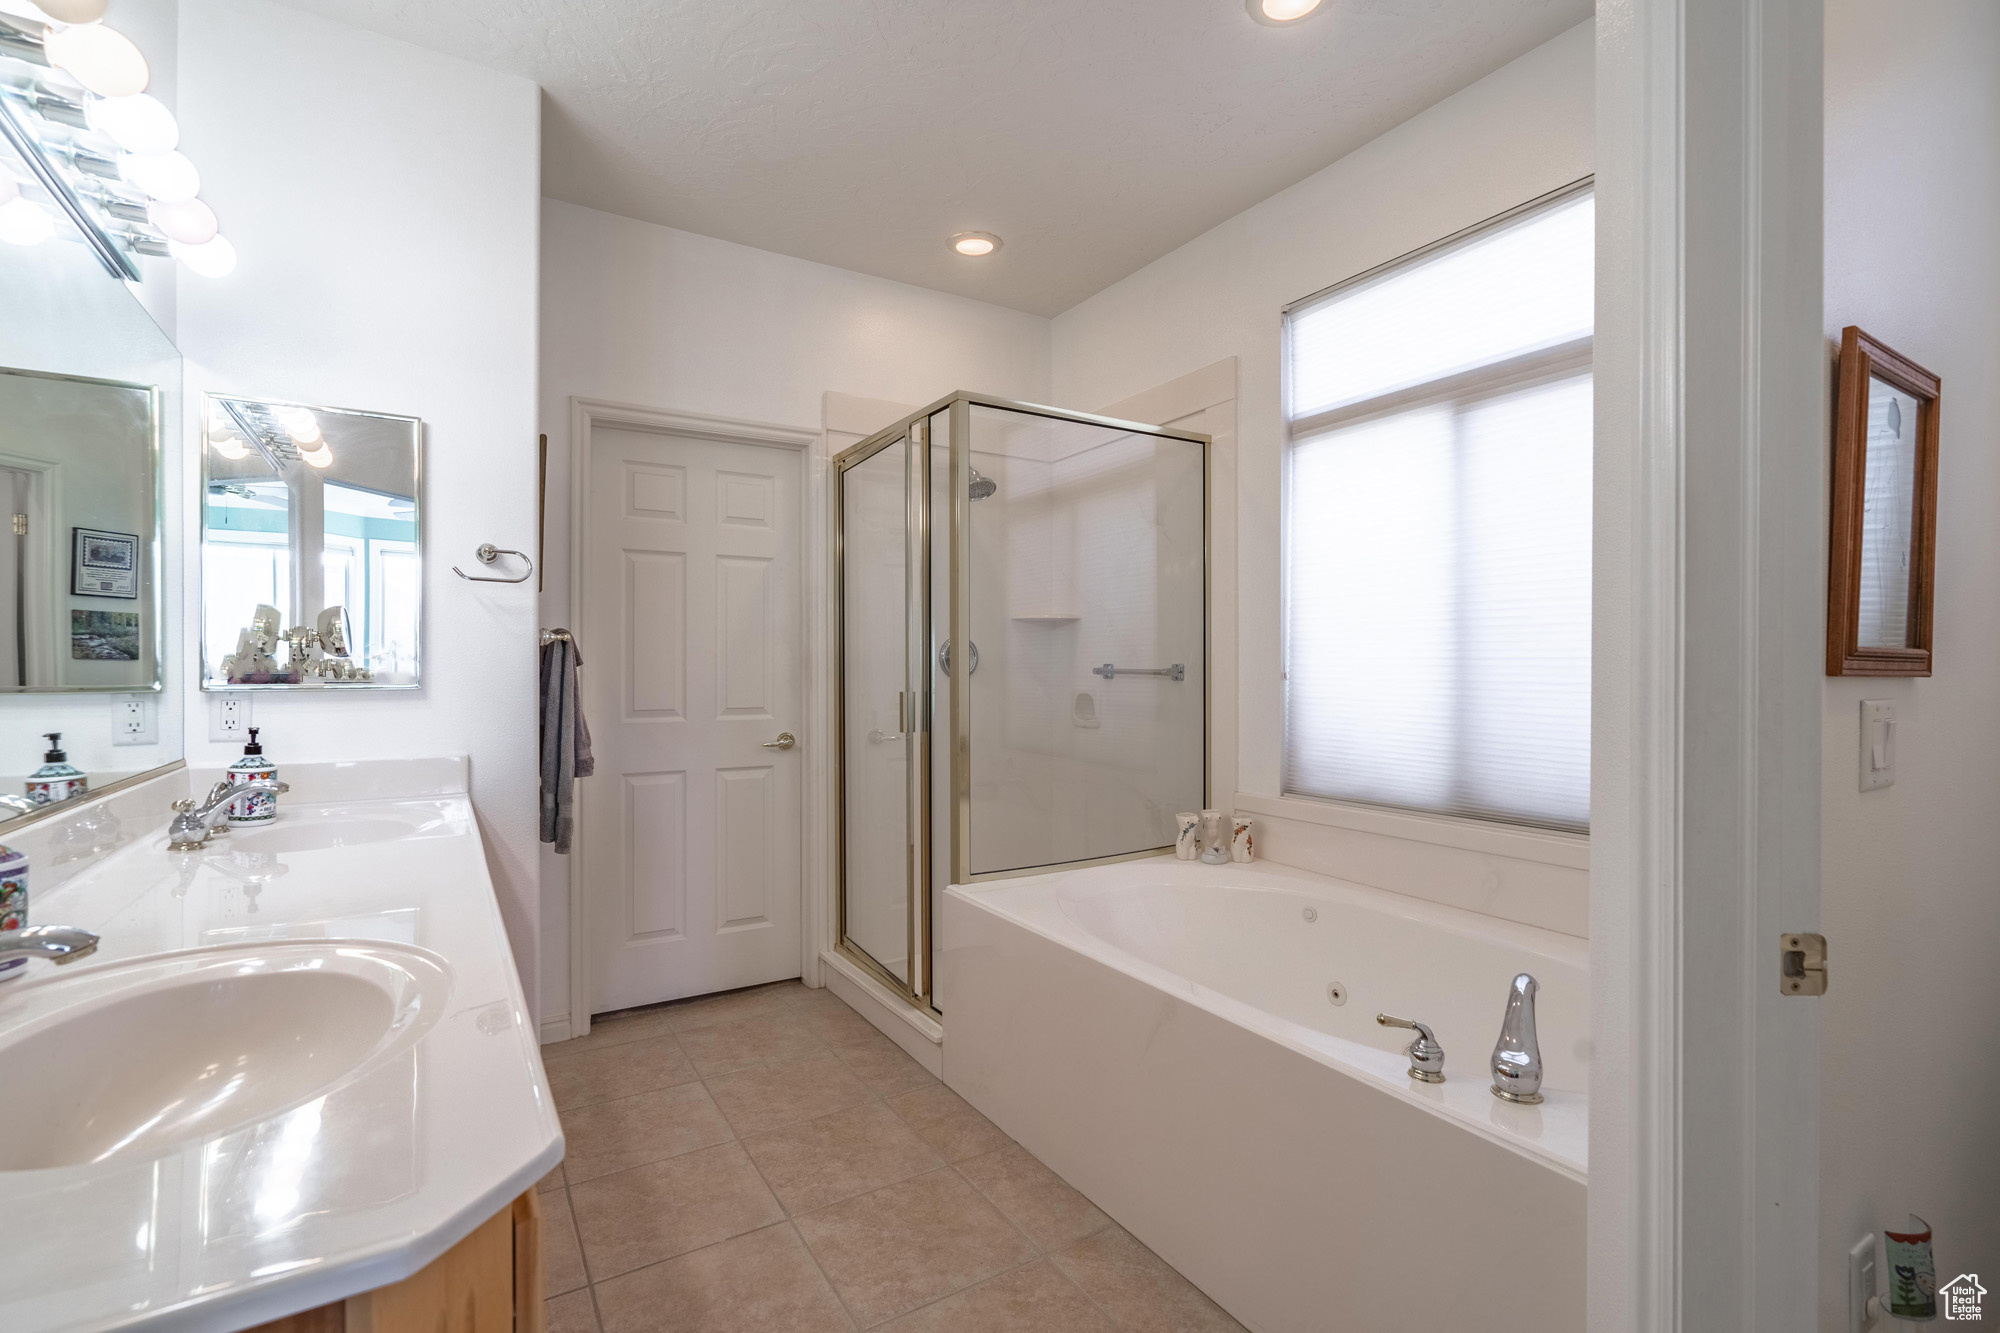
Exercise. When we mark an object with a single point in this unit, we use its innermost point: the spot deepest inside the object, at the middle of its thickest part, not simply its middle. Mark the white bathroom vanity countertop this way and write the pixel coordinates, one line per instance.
(351, 1186)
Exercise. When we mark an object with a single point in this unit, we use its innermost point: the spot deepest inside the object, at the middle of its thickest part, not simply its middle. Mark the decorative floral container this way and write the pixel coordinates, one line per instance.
(13, 903)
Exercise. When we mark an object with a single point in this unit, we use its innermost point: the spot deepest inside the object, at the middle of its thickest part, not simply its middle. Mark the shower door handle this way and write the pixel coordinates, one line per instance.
(944, 659)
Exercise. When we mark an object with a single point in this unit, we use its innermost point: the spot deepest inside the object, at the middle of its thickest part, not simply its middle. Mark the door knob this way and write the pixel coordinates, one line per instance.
(785, 741)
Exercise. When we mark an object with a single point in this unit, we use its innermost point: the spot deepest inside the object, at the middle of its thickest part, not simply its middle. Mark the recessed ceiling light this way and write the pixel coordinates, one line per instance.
(973, 244)
(1279, 13)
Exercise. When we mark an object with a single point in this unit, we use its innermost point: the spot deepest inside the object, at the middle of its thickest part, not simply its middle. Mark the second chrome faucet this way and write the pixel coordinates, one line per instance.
(1517, 1056)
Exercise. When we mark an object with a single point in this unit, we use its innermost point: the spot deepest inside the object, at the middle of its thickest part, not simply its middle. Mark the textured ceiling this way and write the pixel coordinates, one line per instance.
(1092, 135)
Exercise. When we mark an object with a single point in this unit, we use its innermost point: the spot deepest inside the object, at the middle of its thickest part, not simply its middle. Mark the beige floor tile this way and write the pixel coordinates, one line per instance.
(613, 1030)
(612, 1136)
(552, 1181)
(829, 1016)
(572, 1313)
(1034, 1198)
(821, 1161)
(948, 1123)
(769, 1096)
(881, 1063)
(611, 1072)
(763, 1282)
(910, 1243)
(760, 1039)
(562, 1256)
(657, 1211)
(1035, 1299)
(1139, 1289)
(732, 1006)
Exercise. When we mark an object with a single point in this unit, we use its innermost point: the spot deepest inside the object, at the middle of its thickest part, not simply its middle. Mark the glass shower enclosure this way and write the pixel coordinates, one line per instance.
(1069, 553)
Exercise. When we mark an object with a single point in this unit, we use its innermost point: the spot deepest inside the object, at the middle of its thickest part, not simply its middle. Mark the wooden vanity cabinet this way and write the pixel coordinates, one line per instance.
(490, 1282)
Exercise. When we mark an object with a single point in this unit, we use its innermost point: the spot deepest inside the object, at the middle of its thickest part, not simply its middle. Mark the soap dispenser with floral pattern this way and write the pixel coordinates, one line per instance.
(258, 807)
(57, 779)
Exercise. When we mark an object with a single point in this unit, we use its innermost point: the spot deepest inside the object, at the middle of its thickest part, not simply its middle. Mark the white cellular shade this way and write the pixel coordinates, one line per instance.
(1524, 285)
(1438, 569)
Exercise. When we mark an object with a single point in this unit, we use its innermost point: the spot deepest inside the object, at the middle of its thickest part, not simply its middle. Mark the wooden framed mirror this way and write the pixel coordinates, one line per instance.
(1884, 531)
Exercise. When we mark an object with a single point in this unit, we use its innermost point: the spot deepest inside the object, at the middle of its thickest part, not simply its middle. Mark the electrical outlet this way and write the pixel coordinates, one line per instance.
(1861, 1285)
(229, 718)
(134, 721)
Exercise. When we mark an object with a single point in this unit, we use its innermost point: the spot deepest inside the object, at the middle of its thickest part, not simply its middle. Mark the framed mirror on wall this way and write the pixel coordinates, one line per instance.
(89, 636)
(1883, 545)
(311, 547)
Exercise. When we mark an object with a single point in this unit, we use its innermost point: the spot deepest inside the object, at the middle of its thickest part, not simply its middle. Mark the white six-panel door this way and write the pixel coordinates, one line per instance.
(691, 826)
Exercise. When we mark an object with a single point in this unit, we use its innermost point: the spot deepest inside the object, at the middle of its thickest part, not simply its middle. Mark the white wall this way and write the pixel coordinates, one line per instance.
(646, 315)
(1911, 1028)
(384, 202)
(1519, 132)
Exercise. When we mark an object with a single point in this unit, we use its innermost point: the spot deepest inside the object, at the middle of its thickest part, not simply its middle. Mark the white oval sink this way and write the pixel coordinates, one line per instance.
(312, 835)
(135, 1059)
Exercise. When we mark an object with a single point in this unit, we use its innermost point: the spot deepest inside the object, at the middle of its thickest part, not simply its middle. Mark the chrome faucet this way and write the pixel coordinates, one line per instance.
(1426, 1056)
(19, 804)
(64, 944)
(194, 821)
(1517, 1056)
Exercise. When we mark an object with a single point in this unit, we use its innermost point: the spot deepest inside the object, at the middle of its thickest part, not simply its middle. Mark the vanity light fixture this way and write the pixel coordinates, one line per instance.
(93, 146)
(1281, 13)
(321, 457)
(975, 244)
(230, 447)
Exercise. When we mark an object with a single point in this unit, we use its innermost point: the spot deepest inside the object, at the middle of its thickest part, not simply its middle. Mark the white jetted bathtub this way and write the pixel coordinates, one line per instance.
(1163, 1035)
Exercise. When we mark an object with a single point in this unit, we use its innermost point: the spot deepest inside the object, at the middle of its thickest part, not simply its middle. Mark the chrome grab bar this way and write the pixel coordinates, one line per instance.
(1175, 672)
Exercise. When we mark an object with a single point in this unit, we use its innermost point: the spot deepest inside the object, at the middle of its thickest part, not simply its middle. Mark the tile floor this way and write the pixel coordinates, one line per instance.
(766, 1160)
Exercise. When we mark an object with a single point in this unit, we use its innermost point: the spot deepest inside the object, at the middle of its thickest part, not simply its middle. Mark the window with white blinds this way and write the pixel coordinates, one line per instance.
(1437, 527)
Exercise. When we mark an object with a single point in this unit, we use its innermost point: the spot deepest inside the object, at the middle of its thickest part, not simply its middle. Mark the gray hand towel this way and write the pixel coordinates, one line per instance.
(565, 740)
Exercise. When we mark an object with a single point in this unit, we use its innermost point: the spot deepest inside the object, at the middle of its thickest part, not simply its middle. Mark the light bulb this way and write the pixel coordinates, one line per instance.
(191, 222)
(23, 223)
(100, 58)
(299, 423)
(1275, 12)
(216, 259)
(74, 11)
(231, 447)
(974, 244)
(168, 177)
(140, 123)
(320, 457)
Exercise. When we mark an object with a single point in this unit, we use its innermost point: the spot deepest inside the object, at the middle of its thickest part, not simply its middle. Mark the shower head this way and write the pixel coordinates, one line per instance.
(980, 486)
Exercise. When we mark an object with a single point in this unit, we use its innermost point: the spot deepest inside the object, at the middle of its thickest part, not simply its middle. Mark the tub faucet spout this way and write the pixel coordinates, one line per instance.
(1426, 1056)
(1517, 1056)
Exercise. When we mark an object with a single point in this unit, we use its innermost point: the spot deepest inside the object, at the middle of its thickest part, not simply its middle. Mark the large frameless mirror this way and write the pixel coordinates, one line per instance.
(89, 387)
(311, 546)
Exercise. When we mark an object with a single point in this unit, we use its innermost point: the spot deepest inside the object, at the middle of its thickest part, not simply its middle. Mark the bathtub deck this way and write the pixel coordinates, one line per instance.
(767, 1159)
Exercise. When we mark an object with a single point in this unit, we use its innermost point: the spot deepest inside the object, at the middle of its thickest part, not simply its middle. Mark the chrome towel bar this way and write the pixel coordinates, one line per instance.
(1177, 671)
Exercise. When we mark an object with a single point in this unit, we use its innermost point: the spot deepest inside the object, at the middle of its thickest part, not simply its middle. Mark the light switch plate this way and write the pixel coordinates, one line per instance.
(229, 717)
(1878, 744)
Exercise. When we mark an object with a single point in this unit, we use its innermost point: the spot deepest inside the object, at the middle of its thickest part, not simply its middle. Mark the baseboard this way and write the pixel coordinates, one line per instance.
(920, 1035)
(555, 1029)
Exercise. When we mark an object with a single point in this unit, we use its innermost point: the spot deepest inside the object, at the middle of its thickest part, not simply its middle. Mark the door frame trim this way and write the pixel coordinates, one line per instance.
(585, 415)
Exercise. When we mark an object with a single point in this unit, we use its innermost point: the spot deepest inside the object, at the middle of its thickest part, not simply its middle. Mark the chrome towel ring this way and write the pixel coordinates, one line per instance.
(487, 554)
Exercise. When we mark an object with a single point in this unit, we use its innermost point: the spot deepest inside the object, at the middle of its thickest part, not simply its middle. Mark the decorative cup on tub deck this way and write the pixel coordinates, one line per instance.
(1187, 835)
(1241, 840)
(1214, 838)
